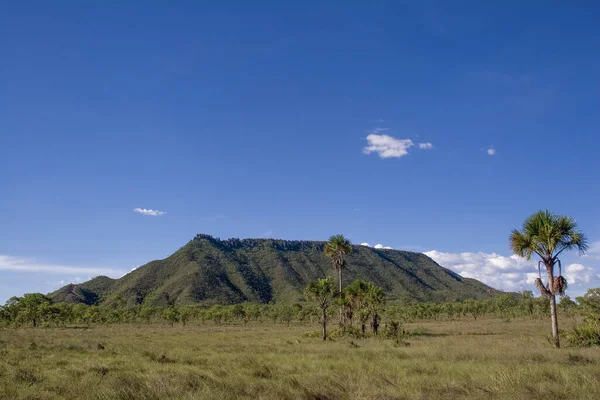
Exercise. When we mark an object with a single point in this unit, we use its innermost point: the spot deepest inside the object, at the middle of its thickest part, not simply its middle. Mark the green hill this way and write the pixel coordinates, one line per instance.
(211, 270)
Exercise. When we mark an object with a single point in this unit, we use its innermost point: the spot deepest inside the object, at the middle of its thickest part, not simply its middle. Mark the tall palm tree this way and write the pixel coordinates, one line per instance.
(323, 291)
(547, 235)
(336, 248)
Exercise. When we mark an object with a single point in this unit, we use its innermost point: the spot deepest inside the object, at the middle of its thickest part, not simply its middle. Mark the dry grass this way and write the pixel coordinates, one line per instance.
(484, 359)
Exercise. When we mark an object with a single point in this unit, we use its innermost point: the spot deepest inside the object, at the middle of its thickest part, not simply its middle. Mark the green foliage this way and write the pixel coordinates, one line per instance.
(363, 299)
(584, 335)
(590, 304)
(336, 249)
(322, 291)
(171, 315)
(547, 235)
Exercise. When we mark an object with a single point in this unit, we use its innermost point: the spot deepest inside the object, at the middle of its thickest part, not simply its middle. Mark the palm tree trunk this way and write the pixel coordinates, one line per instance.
(554, 321)
(553, 316)
(325, 323)
(342, 321)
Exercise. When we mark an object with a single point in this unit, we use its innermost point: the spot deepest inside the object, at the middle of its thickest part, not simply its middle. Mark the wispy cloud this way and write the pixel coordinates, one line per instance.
(491, 151)
(594, 251)
(153, 213)
(18, 264)
(386, 146)
(425, 146)
(63, 282)
(267, 234)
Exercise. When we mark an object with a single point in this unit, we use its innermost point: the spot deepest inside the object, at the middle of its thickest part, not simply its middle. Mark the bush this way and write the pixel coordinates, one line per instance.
(393, 330)
(585, 335)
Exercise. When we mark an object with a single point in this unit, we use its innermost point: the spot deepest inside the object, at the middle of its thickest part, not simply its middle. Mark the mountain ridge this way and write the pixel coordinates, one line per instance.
(210, 270)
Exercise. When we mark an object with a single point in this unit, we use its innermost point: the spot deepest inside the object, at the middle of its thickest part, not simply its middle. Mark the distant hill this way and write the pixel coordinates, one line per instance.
(210, 270)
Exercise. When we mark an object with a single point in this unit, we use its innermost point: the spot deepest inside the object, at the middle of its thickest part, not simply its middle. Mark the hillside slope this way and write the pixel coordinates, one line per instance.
(229, 271)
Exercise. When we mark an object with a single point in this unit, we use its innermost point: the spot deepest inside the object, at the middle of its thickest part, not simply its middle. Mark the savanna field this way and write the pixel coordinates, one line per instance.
(487, 358)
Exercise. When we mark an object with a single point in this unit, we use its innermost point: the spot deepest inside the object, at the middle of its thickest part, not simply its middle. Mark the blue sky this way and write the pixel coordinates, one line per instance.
(425, 126)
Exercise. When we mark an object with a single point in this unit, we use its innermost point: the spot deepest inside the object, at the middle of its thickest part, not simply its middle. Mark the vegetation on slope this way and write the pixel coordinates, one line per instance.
(232, 271)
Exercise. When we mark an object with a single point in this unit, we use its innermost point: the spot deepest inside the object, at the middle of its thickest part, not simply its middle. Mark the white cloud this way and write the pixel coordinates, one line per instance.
(500, 272)
(506, 273)
(153, 213)
(379, 246)
(578, 273)
(491, 151)
(594, 251)
(387, 146)
(18, 264)
(425, 146)
(365, 244)
(266, 234)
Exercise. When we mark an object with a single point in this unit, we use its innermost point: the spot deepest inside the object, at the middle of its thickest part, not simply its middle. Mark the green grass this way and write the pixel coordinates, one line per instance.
(483, 359)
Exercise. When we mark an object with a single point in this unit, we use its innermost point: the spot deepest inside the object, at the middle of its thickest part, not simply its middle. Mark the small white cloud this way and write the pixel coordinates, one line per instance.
(379, 246)
(387, 146)
(266, 234)
(387, 248)
(153, 213)
(491, 151)
(426, 146)
(365, 244)
(133, 269)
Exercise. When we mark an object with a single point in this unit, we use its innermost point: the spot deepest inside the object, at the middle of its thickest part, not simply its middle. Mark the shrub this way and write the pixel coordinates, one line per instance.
(585, 335)
(393, 330)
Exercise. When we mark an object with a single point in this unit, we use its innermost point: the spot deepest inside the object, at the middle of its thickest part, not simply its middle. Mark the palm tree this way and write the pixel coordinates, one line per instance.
(336, 248)
(547, 235)
(375, 298)
(323, 291)
(356, 298)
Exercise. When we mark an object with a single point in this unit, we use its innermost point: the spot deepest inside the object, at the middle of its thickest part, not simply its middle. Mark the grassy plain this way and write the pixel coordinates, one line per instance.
(461, 359)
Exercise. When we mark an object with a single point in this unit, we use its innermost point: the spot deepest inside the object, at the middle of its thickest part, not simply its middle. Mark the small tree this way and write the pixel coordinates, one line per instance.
(171, 315)
(547, 235)
(590, 304)
(323, 291)
(356, 296)
(374, 299)
(31, 307)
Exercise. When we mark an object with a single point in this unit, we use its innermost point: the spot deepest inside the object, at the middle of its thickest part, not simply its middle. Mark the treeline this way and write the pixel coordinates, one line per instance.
(356, 308)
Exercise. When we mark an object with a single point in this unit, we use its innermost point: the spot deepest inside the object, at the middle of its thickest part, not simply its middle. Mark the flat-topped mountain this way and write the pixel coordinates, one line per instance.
(210, 270)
